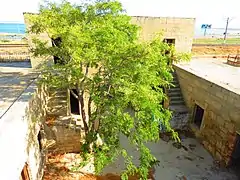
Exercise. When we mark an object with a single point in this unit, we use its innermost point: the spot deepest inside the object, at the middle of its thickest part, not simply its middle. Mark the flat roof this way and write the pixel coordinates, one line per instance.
(216, 71)
(14, 79)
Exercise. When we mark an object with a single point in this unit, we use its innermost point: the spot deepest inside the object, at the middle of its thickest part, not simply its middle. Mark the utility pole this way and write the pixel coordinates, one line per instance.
(226, 29)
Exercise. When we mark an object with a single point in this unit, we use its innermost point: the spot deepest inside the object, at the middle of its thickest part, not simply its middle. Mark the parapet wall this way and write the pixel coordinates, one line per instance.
(19, 129)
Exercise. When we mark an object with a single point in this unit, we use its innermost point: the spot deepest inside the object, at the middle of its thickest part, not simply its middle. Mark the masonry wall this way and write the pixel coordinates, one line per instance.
(180, 29)
(19, 130)
(221, 113)
(58, 102)
(68, 138)
(36, 62)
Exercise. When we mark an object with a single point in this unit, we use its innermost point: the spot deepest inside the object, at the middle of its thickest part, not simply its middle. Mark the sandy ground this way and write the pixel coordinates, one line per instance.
(14, 50)
(186, 161)
(215, 50)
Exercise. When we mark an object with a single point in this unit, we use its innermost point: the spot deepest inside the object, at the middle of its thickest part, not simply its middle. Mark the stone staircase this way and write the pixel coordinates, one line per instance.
(177, 105)
(176, 100)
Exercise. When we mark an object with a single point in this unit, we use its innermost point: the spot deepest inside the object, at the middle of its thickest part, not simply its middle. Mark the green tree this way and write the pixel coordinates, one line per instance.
(118, 79)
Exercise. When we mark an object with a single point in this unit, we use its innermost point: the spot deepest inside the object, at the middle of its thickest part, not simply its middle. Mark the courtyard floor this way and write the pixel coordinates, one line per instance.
(185, 161)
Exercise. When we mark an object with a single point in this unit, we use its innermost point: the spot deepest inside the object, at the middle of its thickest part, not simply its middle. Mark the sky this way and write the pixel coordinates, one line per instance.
(213, 12)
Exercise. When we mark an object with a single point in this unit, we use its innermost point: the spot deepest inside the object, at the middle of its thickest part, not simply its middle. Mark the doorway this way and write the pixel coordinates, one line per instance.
(74, 104)
(236, 152)
(198, 116)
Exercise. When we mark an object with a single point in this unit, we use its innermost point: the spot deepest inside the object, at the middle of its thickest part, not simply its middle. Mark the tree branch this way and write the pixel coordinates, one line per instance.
(85, 75)
(74, 94)
(89, 107)
(81, 99)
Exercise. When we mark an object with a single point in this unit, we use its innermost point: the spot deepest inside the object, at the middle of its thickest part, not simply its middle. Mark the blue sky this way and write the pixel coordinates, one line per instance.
(213, 12)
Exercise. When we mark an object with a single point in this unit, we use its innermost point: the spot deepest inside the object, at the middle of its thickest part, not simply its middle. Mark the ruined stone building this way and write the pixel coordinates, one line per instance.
(207, 90)
(29, 105)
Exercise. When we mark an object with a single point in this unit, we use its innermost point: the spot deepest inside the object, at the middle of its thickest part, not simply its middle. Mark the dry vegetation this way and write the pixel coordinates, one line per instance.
(58, 167)
(215, 50)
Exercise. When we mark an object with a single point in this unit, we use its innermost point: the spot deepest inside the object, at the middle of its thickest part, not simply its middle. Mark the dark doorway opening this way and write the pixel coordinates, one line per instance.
(74, 103)
(24, 173)
(198, 116)
(39, 136)
(236, 152)
(169, 41)
(235, 158)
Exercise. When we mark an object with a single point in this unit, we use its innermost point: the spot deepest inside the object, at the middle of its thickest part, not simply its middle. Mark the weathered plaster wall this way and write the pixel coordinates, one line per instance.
(221, 113)
(19, 129)
(180, 29)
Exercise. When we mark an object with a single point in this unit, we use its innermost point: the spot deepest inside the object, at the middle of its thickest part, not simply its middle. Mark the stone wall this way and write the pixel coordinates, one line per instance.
(19, 129)
(180, 29)
(36, 62)
(68, 136)
(221, 113)
(58, 102)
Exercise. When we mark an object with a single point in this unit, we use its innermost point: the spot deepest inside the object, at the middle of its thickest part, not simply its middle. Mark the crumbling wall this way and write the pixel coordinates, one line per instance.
(68, 136)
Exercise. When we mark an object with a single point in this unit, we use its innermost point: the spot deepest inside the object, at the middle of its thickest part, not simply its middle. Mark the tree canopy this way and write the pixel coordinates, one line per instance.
(119, 80)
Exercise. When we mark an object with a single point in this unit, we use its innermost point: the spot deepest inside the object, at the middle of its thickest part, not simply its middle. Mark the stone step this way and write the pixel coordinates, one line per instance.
(176, 98)
(174, 89)
(177, 102)
(179, 108)
(177, 85)
(174, 93)
(174, 81)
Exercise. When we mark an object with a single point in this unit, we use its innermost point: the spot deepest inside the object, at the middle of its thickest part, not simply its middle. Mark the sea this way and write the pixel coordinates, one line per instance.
(19, 29)
(13, 28)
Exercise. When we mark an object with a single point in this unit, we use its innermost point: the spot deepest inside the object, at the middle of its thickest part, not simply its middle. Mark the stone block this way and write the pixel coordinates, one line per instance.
(230, 100)
(214, 104)
(218, 156)
(211, 149)
(220, 121)
(222, 132)
(234, 115)
(230, 127)
(231, 139)
(237, 103)
(205, 144)
(219, 146)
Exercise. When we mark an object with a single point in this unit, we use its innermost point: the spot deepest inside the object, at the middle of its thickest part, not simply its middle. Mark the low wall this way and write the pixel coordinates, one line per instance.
(68, 136)
(19, 129)
(16, 57)
(221, 113)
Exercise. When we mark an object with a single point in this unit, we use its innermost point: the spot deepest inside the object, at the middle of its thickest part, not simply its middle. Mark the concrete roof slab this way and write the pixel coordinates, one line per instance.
(216, 71)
